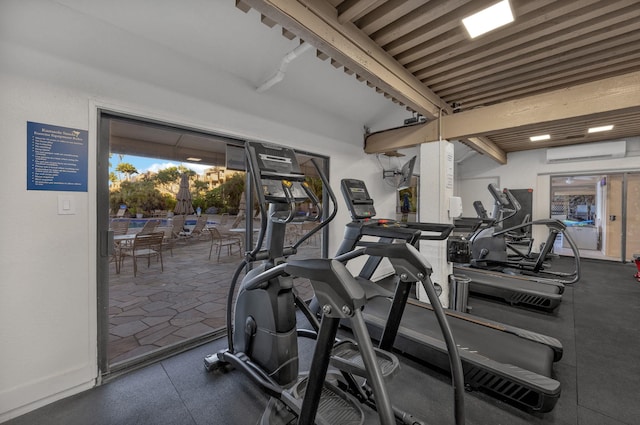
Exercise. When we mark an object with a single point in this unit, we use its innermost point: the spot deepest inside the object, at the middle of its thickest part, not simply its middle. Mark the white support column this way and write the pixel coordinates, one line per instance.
(436, 187)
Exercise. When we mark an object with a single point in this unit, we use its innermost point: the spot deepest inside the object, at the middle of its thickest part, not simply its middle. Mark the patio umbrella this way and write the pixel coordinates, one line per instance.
(183, 197)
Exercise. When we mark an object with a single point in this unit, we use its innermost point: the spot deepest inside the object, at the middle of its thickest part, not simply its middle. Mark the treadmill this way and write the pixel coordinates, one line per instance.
(502, 360)
(524, 282)
(540, 293)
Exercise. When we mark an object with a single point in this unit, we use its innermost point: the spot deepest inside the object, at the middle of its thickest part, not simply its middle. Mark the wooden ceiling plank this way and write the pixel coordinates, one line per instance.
(418, 18)
(348, 45)
(603, 96)
(405, 48)
(609, 37)
(387, 13)
(624, 64)
(581, 101)
(518, 38)
(623, 59)
(582, 69)
(428, 42)
(574, 30)
(350, 10)
(547, 66)
(529, 30)
(532, 23)
(441, 39)
(540, 69)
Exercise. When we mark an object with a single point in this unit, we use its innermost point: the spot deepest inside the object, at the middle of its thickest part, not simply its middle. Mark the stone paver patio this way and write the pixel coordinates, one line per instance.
(187, 300)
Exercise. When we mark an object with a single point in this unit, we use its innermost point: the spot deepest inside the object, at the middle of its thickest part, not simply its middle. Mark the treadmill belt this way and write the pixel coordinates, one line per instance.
(509, 362)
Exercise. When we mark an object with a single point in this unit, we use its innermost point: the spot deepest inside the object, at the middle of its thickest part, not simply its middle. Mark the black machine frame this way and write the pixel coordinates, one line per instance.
(489, 255)
(397, 321)
(262, 332)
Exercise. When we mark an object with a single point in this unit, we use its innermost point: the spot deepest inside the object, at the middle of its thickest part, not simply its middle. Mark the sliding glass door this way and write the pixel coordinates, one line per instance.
(191, 189)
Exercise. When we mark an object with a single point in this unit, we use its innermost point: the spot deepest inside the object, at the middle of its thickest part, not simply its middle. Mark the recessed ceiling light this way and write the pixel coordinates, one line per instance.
(488, 19)
(539, 138)
(194, 159)
(601, 128)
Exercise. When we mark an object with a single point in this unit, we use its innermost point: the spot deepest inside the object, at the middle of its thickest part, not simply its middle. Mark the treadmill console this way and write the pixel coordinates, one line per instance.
(358, 200)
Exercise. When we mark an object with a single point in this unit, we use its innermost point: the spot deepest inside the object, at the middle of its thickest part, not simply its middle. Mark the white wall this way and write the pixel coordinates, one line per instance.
(529, 169)
(48, 261)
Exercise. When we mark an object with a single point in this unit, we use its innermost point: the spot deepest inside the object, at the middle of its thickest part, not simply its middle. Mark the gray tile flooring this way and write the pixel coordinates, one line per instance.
(597, 323)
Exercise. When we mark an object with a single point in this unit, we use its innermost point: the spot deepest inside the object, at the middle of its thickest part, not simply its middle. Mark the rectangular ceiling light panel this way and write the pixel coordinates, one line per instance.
(599, 129)
(540, 138)
(488, 19)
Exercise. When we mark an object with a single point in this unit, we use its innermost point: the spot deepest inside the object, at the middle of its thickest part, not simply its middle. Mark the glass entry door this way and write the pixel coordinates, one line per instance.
(601, 211)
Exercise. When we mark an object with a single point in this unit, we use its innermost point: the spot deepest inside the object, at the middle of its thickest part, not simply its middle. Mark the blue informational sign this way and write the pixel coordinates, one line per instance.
(57, 158)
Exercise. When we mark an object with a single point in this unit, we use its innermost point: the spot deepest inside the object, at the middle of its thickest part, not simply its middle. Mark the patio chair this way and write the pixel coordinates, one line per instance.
(169, 241)
(144, 246)
(119, 226)
(200, 229)
(220, 241)
(149, 227)
(177, 229)
(121, 212)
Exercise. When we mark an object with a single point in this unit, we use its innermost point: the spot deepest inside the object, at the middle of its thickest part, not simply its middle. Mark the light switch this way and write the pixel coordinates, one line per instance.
(66, 205)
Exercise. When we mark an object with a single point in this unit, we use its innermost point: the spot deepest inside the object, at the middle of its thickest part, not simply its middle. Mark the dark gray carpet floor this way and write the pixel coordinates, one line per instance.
(597, 323)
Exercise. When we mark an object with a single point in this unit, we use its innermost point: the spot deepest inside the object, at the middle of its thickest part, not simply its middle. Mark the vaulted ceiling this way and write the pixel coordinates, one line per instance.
(559, 68)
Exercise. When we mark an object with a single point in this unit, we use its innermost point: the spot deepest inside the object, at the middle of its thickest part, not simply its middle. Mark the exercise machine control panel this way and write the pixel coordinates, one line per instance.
(358, 200)
(280, 176)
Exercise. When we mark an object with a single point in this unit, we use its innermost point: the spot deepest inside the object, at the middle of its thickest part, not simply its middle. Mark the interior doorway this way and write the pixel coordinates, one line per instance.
(601, 212)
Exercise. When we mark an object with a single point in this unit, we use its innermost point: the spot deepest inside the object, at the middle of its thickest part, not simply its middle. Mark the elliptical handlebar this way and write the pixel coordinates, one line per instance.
(498, 196)
(279, 179)
(505, 202)
(318, 205)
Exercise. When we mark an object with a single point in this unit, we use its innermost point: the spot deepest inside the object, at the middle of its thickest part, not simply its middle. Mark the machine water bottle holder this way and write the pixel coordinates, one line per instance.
(459, 292)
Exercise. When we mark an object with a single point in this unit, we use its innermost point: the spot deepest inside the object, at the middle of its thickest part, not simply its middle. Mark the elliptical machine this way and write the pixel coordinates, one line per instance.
(491, 247)
(262, 333)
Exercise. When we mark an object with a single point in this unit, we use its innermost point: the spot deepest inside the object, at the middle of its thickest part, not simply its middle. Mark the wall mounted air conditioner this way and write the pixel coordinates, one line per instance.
(587, 152)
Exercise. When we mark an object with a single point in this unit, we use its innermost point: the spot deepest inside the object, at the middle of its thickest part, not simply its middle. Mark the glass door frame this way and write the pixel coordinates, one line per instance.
(623, 203)
(105, 238)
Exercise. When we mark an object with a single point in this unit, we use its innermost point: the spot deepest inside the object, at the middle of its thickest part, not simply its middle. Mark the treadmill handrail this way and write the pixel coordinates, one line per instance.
(443, 230)
(549, 222)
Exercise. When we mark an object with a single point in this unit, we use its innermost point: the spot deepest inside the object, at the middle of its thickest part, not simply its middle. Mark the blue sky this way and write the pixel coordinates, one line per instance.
(144, 164)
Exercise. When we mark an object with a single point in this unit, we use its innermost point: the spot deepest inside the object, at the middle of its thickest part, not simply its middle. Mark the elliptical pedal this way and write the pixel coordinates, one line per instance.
(335, 407)
(346, 357)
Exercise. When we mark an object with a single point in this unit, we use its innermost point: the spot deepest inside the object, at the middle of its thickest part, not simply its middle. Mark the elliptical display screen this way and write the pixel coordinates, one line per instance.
(278, 167)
